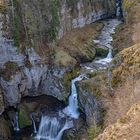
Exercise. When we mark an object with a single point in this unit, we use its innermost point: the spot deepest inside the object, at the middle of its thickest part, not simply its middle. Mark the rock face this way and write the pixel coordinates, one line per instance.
(55, 18)
(38, 24)
(89, 105)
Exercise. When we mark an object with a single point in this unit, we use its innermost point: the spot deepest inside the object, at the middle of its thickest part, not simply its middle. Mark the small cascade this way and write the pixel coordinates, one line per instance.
(105, 39)
(109, 56)
(15, 123)
(72, 109)
(33, 122)
(52, 127)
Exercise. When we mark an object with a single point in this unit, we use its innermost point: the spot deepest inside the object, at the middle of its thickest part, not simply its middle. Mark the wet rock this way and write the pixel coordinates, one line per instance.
(78, 132)
(24, 118)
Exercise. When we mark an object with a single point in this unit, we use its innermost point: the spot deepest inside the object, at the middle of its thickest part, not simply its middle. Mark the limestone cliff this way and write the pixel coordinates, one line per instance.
(39, 22)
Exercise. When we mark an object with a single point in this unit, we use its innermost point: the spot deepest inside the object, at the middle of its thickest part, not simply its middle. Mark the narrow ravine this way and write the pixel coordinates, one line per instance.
(53, 125)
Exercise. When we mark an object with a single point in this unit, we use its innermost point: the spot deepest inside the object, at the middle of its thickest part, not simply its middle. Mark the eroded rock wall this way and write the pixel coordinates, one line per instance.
(42, 21)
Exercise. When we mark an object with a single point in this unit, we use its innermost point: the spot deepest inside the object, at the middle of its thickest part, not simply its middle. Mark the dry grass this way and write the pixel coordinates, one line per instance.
(78, 42)
(63, 59)
(126, 128)
(128, 33)
(125, 96)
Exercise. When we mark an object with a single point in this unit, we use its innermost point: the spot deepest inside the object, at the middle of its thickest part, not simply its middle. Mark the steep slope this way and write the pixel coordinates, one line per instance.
(127, 127)
(128, 34)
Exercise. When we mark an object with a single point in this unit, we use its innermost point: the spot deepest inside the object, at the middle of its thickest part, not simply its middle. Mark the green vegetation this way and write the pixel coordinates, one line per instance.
(24, 119)
(69, 76)
(93, 132)
(100, 52)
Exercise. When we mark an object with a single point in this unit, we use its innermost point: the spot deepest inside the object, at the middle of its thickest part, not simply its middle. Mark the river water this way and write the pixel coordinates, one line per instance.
(52, 126)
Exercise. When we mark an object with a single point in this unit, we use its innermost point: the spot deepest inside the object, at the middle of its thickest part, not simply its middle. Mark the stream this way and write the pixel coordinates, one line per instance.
(52, 126)
(54, 123)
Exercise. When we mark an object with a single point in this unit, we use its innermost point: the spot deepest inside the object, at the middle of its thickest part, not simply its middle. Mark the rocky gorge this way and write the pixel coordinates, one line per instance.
(45, 47)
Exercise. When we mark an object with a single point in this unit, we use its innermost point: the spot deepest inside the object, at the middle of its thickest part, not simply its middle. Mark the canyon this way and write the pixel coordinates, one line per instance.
(58, 77)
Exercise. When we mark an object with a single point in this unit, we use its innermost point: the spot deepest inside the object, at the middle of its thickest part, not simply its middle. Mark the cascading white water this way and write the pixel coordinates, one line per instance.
(34, 125)
(109, 56)
(52, 127)
(72, 109)
(106, 39)
(15, 123)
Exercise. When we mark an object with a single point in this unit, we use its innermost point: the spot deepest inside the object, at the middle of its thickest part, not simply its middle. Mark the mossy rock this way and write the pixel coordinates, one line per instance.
(93, 132)
(100, 52)
(69, 76)
(62, 58)
(24, 119)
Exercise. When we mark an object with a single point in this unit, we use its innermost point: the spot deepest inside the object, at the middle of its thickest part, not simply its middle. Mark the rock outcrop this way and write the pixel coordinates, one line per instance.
(55, 18)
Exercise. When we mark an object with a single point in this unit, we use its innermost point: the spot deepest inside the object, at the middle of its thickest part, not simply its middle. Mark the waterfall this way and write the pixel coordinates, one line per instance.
(52, 127)
(72, 109)
(15, 123)
(105, 39)
(109, 56)
(34, 125)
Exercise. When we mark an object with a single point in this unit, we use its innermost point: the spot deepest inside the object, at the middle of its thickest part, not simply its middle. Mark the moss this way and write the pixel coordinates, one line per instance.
(69, 76)
(24, 119)
(93, 132)
(78, 43)
(11, 68)
(100, 52)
